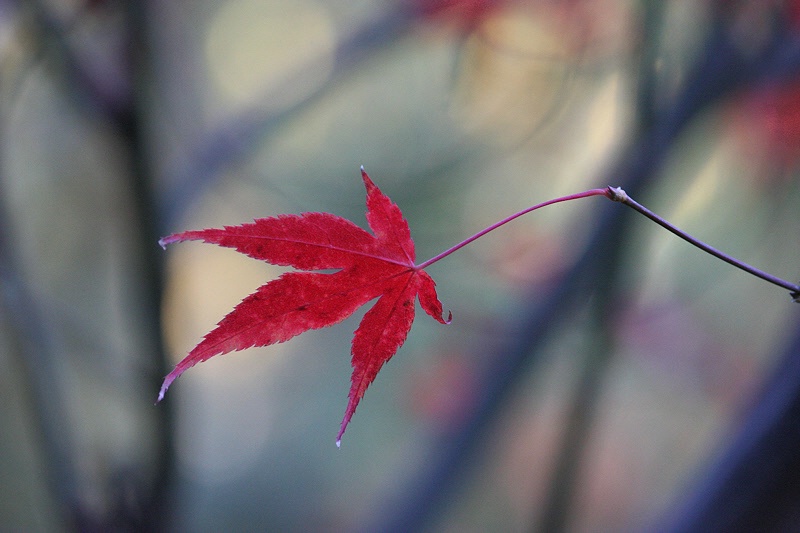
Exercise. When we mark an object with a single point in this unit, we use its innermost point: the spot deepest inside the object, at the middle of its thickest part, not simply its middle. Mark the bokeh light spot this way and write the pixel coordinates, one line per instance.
(255, 47)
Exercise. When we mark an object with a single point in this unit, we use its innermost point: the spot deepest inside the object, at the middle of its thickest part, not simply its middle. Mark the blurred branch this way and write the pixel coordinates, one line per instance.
(41, 363)
(557, 505)
(646, 62)
(126, 113)
(582, 407)
(594, 369)
(752, 484)
(154, 496)
(86, 91)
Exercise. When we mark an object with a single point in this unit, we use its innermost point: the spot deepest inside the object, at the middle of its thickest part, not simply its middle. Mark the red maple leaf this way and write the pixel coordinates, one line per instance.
(370, 266)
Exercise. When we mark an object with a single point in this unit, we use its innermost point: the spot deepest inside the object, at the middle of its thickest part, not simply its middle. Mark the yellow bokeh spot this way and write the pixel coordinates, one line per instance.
(272, 53)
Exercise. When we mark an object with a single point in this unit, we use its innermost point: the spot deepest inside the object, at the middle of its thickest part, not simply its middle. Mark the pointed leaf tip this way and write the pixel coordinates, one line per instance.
(342, 429)
(169, 239)
(162, 392)
(168, 381)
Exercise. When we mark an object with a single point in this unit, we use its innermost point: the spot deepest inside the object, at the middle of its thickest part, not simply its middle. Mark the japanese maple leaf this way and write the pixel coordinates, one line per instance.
(370, 266)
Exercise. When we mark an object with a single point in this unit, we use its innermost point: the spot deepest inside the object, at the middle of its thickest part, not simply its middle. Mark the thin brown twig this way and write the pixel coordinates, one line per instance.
(616, 194)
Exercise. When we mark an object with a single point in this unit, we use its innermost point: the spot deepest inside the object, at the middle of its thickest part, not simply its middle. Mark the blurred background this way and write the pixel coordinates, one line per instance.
(599, 374)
